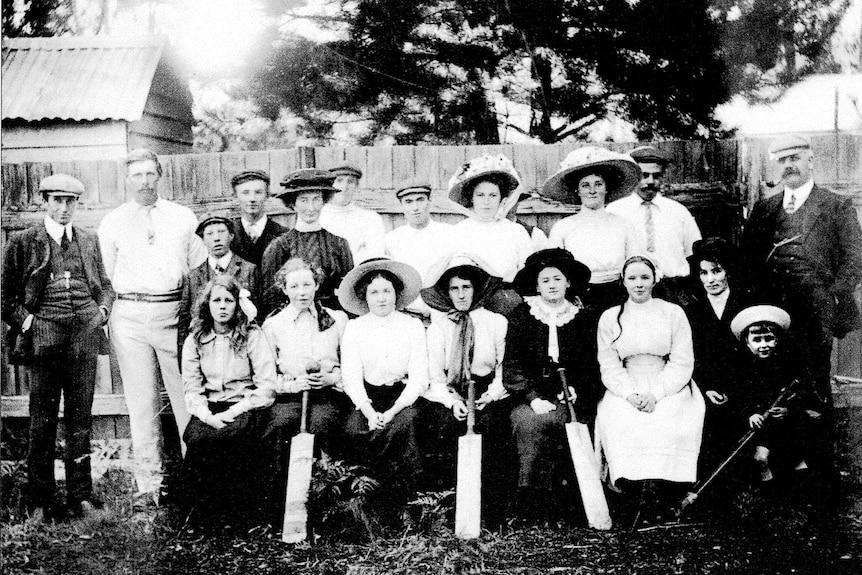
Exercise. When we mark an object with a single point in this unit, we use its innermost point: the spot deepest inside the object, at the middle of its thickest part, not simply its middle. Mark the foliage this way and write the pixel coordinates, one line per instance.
(436, 511)
(339, 496)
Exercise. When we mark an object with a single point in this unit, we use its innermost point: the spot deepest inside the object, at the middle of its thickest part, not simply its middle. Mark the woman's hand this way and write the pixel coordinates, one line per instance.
(572, 394)
(215, 421)
(636, 400)
(649, 402)
(542, 406)
(715, 397)
(778, 412)
(459, 410)
(375, 419)
(483, 401)
(755, 421)
(296, 385)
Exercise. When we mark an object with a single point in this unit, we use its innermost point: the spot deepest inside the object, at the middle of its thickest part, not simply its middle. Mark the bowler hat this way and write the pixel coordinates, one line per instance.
(577, 273)
(61, 185)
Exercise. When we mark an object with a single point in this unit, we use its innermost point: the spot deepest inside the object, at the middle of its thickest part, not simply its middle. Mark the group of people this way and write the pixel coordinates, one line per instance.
(672, 345)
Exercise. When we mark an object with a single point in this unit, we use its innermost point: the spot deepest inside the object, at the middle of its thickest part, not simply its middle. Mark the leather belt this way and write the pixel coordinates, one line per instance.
(152, 298)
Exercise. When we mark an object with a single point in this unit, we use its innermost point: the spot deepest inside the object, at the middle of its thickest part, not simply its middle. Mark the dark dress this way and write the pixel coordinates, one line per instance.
(250, 250)
(528, 373)
(319, 248)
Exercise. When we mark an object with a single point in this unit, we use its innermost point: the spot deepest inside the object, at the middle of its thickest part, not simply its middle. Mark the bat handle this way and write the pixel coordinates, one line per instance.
(303, 418)
(566, 395)
(471, 406)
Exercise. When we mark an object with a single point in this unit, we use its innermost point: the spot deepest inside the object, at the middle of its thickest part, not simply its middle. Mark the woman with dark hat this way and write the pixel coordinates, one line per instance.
(719, 295)
(551, 329)
(465, 343)
(484, 189)
(384, 367)
(650, 420)
(591, 177)
(306, 191)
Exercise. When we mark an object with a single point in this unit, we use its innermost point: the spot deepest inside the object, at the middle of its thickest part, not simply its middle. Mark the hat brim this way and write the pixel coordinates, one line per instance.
(628, 176)
(407, 274)
(456, 192)
(64, 193)
(759, 314)
(577, 273)
(289, 195)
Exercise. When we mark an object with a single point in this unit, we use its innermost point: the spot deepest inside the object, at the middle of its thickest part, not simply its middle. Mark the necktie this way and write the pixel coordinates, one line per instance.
(219, 270)
(64, 241)
(650, 227)
(791, 204)
(151, 231)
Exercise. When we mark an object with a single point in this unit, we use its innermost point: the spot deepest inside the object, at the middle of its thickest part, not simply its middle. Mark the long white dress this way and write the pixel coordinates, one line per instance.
(652, 354)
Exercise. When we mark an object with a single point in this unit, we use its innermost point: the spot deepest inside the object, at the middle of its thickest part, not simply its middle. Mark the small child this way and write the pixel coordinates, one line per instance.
(765, 368)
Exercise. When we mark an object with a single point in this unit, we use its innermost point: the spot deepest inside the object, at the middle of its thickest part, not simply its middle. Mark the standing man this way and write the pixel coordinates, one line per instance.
(253, 230)
(149, 245)
(804, 246)
(363, 229)
(664, 228)
(57, 297)
(217, 235)
(420, 243)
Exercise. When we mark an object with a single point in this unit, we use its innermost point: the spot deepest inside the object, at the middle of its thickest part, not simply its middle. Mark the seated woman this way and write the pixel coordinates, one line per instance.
(305, 339)
(650, 420)
(765, 367)
(591, 177)
(484, 189)
(384, 365)
(228, 381)
(467, 343)
(718, 295)
(550, 330)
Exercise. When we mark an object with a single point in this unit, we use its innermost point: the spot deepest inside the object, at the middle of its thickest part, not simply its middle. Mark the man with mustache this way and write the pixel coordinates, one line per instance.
(664, 228)
(149, 245)
(803, 250)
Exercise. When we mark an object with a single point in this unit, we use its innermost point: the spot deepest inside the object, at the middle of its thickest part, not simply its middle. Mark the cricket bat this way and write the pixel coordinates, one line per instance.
(295, 528)
(586, 466)
(468, 493)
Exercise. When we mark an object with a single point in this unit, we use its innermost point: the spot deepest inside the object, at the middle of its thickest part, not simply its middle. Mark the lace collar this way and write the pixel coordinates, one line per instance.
(550, 316)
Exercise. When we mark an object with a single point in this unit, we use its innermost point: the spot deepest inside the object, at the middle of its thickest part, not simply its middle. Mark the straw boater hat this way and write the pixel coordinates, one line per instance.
(759, 314)
(481, 167)
(470, 266)
(620, 172)
(306, 180)
(577, 273)
(355, 304)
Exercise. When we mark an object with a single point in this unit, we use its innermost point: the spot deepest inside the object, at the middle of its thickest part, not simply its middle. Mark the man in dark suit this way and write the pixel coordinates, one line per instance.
(57, 296)
(217, 235)
(253, 230)
(803, 247)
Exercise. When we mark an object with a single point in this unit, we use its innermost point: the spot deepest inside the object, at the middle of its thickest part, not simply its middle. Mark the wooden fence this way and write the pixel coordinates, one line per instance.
(717, 179)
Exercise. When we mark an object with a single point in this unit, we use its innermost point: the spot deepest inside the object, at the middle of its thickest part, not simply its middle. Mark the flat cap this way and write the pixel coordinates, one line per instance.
(413, 187)
(210, 219)
(61, 185)
(787, 145)
(346, 170)
(650, 155)
(248, 175)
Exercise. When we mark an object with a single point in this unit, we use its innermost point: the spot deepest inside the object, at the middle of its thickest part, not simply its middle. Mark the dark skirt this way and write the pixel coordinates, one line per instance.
(391, 453)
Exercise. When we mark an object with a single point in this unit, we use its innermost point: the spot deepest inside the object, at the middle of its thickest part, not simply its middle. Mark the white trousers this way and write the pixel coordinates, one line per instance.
(144, 336)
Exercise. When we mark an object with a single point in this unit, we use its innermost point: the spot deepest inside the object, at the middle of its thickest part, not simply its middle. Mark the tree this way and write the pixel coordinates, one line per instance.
(36, 18)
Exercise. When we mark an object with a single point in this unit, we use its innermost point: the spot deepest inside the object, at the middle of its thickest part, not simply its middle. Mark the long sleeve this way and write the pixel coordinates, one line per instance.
(14, 281)
(496, 390)
(107, 246)
(517, 355)
(417, 368)
(262, 394)
(614, 375)
(438, 389)
(849, 250)
(352, 375)
(193, 380)
(184, 316)
(678, 369)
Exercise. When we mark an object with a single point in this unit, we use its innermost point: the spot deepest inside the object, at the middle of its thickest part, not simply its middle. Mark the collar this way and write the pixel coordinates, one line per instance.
(292, 312)
(223, 261)
(55, 230)
(800, 194)
(210, 336)
(551, 316)
(255, 228)
(159, 203)
(657, 201)
(301, 226)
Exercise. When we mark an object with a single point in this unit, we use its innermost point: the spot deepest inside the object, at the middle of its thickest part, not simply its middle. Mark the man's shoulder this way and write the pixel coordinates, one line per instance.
(243, 264)
(623, 203)
(28, 234)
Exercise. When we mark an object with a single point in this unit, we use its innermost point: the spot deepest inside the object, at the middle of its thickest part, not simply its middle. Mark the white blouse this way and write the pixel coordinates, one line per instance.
(384, 351)
(599, 239)
(489, 336)
(504, 244)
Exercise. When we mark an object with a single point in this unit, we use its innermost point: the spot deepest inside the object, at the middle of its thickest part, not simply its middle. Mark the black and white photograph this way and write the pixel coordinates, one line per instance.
(389, 287)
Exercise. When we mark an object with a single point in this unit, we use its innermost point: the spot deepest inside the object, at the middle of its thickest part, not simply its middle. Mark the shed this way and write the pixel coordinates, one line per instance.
(92, 98)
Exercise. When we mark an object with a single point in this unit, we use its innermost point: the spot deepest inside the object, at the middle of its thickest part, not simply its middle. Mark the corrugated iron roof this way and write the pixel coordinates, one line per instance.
(93, 78)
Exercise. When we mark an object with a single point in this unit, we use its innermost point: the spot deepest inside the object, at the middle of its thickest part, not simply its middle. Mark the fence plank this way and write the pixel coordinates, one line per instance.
(403, 165)
(378, 175)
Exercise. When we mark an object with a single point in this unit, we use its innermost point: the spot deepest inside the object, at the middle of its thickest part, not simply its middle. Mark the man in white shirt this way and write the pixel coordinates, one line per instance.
(149, 245)
(665, 229)
(363, 229)
(420, 243)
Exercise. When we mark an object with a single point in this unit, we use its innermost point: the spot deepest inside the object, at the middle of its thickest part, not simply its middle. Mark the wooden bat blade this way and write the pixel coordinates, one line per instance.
(587, 472)
(468, 494)
(295, 527)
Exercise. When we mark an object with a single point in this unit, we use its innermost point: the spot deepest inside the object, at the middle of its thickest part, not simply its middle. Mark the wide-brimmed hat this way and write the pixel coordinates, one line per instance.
(482, 167)
(351, 302)
(620, 172)
(306, 180)
(209, 219)
(716, 250)
(577, 273)
(61, 185)
(759, 314)
(435, 292)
